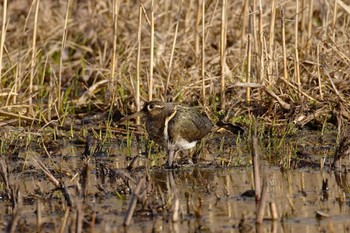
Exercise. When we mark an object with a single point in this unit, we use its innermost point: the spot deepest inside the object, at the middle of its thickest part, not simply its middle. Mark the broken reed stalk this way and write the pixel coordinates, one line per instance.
(296, 52)
(79, 217)
(58, 184)
(133, 201)
(256, 158)
(64, 221)
(138, 61)
(318, 71)
(223, 52)
(93, 222)
(38, 215)
(85, 175)
(249, 68)
(4, 173)
(271, 40)
(11, 187)
(3, 36)
(114, 53)
(33, 60)
(176, 214)
(262, 203)
(178, 17)
(273, 211)
(63, 46)
(11, 226)
(203, 55)
(284, 49)
(151, 58)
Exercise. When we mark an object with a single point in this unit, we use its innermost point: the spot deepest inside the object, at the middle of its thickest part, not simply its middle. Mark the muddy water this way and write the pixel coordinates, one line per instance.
(210, 195)
(296, 194)
(210, 201)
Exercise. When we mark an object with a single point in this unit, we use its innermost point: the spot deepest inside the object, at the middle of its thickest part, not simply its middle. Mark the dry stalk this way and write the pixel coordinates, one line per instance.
(344, 6)
(261, 43)
(138, 61)
(319, 112)
(273, 211)
(151, 62)
(334, 18)
(133, 201)
(93, 222)
(319, 72)
(13, 194)
(196, 31)
(272, 40)
(79, 218)
(333, 86)
(11, 226)
(262, 203)
(85, 175)
(297, 89)
(256, 166)
(296, 29)
(175, 216)
(83, 100)
(254, 28)
(178, 17)
(63, 46)
(309, 28)
(3, 36)
(249, 66)
(58, 184)
(113, 82)
(64, 220)
(203, 55)
(16, 116)
(283, 104)
(302, 23)
(10, 188)
(38, 215)
(33, 60)
(223, 52)
(285, 70)
(245, 19)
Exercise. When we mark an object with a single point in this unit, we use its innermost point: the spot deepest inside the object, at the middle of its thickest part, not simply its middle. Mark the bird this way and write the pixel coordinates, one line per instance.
(173, 126)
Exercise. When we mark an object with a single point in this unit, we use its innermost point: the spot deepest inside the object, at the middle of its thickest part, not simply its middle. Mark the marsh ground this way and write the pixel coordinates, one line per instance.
(71, 69)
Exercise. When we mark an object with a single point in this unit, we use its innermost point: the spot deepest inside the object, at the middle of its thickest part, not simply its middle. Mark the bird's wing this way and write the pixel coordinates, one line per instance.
(190, 124)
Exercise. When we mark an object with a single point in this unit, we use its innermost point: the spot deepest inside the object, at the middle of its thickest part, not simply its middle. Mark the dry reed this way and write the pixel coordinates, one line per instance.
(58, 60)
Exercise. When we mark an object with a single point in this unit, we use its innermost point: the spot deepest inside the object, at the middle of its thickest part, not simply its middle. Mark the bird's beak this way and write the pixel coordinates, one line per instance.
(132, 116)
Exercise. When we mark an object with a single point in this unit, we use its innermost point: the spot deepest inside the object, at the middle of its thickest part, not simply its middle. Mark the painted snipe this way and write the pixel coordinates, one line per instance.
(173, 126)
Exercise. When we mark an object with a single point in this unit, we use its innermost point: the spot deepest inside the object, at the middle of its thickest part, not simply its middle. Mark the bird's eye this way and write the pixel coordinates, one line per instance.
(151, 106)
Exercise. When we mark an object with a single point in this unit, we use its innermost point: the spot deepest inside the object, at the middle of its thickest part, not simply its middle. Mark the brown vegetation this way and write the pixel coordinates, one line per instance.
(68, 67)
(62, 56)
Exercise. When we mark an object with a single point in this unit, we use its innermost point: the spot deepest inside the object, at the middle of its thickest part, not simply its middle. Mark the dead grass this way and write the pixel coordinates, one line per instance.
(63, 56)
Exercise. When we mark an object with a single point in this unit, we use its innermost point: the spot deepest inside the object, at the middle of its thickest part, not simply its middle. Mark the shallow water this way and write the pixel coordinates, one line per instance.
(209, 194)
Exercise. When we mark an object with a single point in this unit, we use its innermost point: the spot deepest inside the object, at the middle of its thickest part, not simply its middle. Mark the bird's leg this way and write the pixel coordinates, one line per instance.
(171, 154)
(197, 153)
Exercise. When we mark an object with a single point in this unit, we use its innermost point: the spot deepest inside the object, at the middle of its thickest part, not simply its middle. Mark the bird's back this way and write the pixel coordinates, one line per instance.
(188, 124)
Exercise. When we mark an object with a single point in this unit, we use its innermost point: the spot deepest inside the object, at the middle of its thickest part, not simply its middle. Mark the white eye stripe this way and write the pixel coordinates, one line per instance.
(152, 106)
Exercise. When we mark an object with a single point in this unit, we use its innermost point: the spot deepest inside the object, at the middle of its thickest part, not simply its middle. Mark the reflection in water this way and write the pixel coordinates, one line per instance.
(209, 200)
